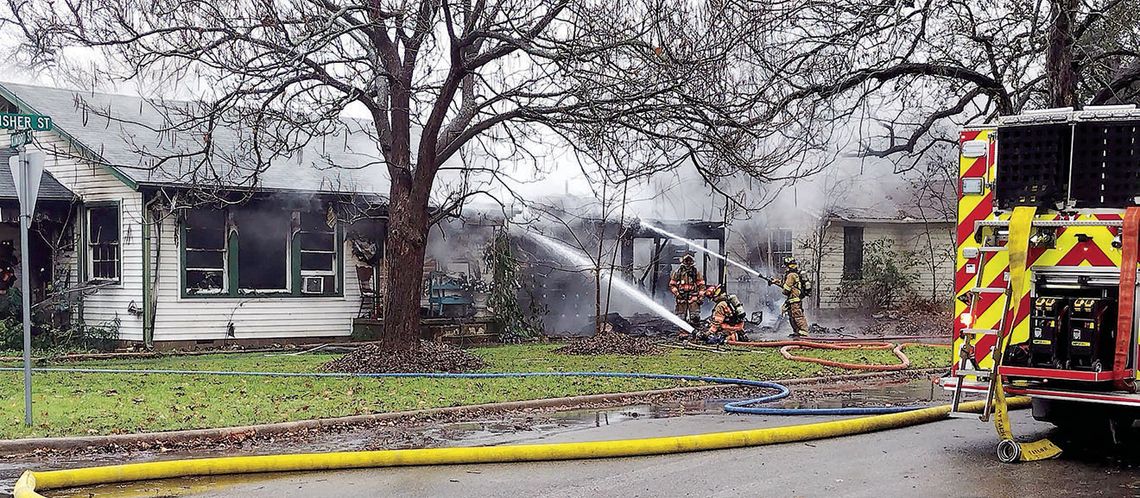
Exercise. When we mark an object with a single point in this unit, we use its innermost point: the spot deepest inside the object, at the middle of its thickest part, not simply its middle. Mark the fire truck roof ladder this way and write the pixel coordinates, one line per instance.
(968, 364)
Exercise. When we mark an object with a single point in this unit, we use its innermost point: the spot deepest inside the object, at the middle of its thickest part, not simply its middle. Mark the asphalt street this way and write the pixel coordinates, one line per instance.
(949, 458)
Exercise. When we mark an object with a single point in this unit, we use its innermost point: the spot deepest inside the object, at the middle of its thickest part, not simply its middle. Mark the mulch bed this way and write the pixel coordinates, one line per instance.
(429, 357)
(611, 343)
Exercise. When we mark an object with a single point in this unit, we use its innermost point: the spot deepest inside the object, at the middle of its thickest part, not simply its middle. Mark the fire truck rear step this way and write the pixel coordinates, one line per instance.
(988, 290)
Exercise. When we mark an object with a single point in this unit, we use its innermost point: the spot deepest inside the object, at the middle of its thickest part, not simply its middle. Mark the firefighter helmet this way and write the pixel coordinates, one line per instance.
(791, 262)
(715, 291)
(688, 258)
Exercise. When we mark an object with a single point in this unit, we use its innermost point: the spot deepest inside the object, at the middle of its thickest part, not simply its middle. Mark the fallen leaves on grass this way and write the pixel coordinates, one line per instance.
(429, 357)
(611, 343)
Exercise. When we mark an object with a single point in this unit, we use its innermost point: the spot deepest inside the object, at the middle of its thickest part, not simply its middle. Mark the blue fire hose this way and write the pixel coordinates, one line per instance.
(743, 406)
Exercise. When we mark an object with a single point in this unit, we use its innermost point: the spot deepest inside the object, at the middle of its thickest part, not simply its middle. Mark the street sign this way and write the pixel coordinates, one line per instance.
(34, 122)
(21, 138)
(35, 169)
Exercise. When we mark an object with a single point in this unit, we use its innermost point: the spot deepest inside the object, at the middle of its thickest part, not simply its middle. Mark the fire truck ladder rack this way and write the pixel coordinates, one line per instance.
(968, 361)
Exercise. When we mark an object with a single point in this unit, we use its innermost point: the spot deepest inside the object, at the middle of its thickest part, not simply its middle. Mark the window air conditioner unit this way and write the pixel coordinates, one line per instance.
(313, 285)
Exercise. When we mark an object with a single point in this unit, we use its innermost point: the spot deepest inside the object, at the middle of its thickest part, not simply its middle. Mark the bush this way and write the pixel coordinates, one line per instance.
(888, 275)
(48, 336)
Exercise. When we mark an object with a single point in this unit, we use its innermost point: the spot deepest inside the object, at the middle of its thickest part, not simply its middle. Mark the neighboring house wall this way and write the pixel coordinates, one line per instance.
(254, 317)
(93, 185)
(916, 237)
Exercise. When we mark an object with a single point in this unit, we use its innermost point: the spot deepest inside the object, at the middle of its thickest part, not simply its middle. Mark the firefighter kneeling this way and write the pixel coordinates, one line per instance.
(727, 322)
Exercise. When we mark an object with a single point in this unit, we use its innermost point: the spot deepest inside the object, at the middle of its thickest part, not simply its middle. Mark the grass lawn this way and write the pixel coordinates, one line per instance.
(87, 404)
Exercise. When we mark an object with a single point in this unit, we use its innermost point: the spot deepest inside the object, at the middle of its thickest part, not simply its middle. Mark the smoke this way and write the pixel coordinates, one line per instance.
(608, 277)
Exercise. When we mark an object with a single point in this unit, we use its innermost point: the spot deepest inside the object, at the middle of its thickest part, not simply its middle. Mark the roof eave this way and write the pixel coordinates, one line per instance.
(83, 148)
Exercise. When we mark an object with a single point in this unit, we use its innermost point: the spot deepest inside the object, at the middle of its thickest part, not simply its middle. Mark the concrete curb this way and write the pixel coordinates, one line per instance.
(30, 445)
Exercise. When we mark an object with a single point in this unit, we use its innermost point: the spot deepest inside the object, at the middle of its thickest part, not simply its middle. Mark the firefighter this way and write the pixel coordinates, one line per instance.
(795, 288)
(727, 322)
(687, 286)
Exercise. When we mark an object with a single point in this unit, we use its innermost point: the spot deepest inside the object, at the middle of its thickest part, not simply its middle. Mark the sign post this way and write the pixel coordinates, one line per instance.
(27, 170)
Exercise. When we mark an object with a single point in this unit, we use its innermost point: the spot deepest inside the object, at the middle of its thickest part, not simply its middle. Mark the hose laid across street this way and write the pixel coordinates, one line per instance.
(30, 482)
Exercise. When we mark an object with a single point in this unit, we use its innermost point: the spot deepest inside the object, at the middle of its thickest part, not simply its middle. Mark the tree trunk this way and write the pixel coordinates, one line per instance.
(1059, 54)
(404, 260)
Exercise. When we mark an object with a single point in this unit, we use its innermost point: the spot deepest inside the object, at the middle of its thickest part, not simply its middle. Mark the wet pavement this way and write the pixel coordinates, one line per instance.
(954, 457)
(505, 428)
(949, 458)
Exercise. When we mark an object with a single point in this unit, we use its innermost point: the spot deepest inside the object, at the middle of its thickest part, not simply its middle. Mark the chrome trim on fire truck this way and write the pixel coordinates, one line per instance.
(1052, 223)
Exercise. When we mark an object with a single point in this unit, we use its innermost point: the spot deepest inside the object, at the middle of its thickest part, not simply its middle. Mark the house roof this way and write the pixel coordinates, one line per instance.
(50, 188)
(130, 143)
(892, 204)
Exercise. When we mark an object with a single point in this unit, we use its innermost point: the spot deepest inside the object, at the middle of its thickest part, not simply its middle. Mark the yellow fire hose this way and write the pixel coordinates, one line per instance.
(30, 482)
(1009, 450)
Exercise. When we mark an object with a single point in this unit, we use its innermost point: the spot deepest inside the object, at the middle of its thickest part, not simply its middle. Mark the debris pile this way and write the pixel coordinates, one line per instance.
(817, 329)
(917, 319)
(611, 343)
(648, 325)
(429, 357)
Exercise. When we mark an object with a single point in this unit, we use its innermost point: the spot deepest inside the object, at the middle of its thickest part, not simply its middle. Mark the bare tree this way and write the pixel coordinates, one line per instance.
(438, 79)
(907, 67)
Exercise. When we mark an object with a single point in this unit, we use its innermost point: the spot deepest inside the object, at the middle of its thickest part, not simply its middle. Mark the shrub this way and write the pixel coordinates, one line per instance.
(888, 275)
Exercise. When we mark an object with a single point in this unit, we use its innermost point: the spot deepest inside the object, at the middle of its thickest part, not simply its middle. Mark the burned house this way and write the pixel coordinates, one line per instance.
(286, 257)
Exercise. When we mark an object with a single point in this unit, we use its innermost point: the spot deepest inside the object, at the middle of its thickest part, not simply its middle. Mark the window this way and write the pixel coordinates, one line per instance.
(263, 248)
(781, 245)
(852, 253)
(205, 256)
(103, 243)
(318, 252)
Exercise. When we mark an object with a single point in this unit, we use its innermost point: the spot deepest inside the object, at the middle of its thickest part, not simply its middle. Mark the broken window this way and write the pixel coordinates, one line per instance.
(852, 253)
(318, 251)
(260, 248)
(205, 243)
(103, 242)
(263, 248)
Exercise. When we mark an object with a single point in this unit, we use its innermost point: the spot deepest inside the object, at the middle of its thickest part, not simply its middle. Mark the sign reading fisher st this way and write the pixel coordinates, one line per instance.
(34, 122)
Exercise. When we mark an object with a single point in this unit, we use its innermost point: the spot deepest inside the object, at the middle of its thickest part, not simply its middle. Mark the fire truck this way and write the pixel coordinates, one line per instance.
(1067, 335)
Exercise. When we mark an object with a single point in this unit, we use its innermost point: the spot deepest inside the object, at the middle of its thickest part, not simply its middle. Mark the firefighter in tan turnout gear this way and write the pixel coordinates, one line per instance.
(727, 322)
(687, 286)
(795, 288)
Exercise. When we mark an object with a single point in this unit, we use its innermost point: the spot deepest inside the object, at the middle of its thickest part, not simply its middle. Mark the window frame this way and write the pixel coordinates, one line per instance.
(232, 268)
(289, 239)
(852, 258)
(183, 233)
(781, 238)
(88, 248)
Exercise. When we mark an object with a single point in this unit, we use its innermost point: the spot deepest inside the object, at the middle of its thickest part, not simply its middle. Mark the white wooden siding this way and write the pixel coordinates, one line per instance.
(92, 183)
(179, 318)
(203, 318)
(903, 237)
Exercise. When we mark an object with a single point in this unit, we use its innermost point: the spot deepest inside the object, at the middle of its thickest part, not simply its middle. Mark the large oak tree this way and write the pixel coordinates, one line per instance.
(455, 89)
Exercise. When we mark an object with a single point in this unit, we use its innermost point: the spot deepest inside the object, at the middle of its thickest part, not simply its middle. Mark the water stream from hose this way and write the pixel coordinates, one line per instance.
(701, 248)
(579, 259)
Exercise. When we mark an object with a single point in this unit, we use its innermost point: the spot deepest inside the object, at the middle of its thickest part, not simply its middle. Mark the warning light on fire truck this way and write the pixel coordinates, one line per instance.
(967, 320)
